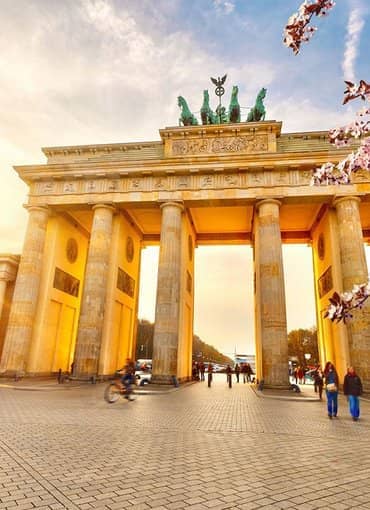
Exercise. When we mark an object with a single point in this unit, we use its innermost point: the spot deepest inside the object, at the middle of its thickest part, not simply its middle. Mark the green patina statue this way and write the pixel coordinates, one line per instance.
(258, 111)
(186, 118)
(221, 116)
(206, 114)
(234, 107)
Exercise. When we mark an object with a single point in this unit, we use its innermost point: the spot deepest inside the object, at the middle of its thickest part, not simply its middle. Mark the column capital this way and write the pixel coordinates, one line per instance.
(268, 201)
(173, 203)
(352, 198)
(43, 208)
(110, 207)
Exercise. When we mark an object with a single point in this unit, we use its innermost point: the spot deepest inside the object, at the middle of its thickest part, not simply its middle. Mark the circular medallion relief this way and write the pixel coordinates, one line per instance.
(129, 249)
(190, 247)
(72, 250)
(321, 246)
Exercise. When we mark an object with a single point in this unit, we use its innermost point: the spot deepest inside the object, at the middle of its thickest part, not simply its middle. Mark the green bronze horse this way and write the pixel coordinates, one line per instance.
(258, 111)
(234, 107)
(186, 118)
(206, 114)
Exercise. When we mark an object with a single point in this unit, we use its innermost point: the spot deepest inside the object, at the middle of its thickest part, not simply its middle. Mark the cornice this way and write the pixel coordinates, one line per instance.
(221, 163)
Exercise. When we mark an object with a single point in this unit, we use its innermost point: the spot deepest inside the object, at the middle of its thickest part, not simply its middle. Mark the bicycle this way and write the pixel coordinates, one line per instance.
(116, 389)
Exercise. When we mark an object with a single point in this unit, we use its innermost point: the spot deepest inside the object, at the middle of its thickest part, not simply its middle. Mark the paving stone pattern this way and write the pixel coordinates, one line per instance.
(195, 448)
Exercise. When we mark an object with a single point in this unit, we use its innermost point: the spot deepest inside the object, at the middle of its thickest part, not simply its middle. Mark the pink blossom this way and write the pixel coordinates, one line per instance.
(298, 29)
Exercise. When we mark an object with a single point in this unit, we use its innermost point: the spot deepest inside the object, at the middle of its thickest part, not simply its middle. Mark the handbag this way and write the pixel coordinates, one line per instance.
(331, 387)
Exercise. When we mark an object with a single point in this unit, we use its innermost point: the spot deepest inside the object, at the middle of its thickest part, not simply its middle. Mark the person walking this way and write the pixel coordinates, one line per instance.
(331, 387)
(352, 388)
(229, 372)
(202, 369)
(243, 370)
(210, 371)
(300, 374)
(237, 372)
(318, 379)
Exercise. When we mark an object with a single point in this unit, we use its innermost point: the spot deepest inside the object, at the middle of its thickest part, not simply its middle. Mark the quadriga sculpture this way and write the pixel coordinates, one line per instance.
(186, 118)
(234, 107)
(206, 114)
(258, 111)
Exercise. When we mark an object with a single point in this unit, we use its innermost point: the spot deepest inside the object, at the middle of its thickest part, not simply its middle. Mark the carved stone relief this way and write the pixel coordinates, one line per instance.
(69, 187)
(231, 180)
(66, 282)
(72, 250)
(135, 184)
(206, 181)
(113, 185)
(247, 144)
(48, 187)
(183, 181)
(125, 283)
(325, 282)
(281, 178)
(305, 177)
(160, 182)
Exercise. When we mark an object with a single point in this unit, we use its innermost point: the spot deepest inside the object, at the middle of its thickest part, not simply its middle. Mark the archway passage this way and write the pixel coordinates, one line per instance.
(92, 208)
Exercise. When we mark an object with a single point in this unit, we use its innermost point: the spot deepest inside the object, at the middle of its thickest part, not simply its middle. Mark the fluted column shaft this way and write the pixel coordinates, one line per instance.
(270, 292)
(26, 292)
(166, 328)
(90, 326)
(354, 271)
(3, 286)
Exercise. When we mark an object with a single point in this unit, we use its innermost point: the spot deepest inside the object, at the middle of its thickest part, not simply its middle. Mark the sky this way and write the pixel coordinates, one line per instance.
(104, 71)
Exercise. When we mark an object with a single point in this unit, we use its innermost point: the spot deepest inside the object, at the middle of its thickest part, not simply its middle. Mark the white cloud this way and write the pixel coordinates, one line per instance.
(224, 6)
(354, 29)
(299, 114)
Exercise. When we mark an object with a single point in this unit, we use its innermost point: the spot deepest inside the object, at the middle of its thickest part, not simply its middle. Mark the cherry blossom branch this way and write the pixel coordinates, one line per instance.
(329, 173)
(341, 305)
(298, 28)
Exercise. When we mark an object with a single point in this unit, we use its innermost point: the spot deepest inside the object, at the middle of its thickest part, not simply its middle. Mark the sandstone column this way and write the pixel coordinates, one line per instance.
(354, 271)
(24, 305)
(270, 296)
(89, 335)
(3, 286)
(166, 328)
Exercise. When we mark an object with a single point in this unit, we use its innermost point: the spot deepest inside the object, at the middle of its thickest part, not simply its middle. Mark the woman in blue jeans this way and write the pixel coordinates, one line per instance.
(331, 386)
(352, 387)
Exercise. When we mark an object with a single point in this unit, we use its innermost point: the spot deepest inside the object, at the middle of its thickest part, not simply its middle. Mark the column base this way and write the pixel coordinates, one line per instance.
(164, 379)
(277, 386)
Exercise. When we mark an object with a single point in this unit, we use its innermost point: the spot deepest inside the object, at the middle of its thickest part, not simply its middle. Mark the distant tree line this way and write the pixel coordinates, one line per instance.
(201, 350)
(301, 342)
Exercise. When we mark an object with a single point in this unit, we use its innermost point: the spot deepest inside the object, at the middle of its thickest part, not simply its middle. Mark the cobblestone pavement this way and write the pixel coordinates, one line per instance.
(195, 448)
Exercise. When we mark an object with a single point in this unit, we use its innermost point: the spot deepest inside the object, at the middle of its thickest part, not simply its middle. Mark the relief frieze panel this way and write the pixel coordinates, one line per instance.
(47, 187)
(281, 178)
(256, 179)
(207, 181)
(231, 180)
(160, 183)
(361, 176)
(183, 181)
(305, 177)
(70, 187)
(135, 184)
(228, 144)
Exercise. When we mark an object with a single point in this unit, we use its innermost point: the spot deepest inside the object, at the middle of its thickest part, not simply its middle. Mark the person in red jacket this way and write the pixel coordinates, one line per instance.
(352, 388)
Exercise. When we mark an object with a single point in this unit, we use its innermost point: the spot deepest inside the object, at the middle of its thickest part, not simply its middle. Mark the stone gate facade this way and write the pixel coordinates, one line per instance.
(73, 295)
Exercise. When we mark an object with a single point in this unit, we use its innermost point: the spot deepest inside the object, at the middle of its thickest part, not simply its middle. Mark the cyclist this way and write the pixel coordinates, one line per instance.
(128, 377)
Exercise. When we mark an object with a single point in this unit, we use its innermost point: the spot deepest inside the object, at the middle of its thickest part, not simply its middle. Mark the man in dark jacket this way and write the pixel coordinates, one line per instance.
(352, 387)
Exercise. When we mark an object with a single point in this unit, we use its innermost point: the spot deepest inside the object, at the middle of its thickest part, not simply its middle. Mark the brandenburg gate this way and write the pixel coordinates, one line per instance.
(73, 294)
